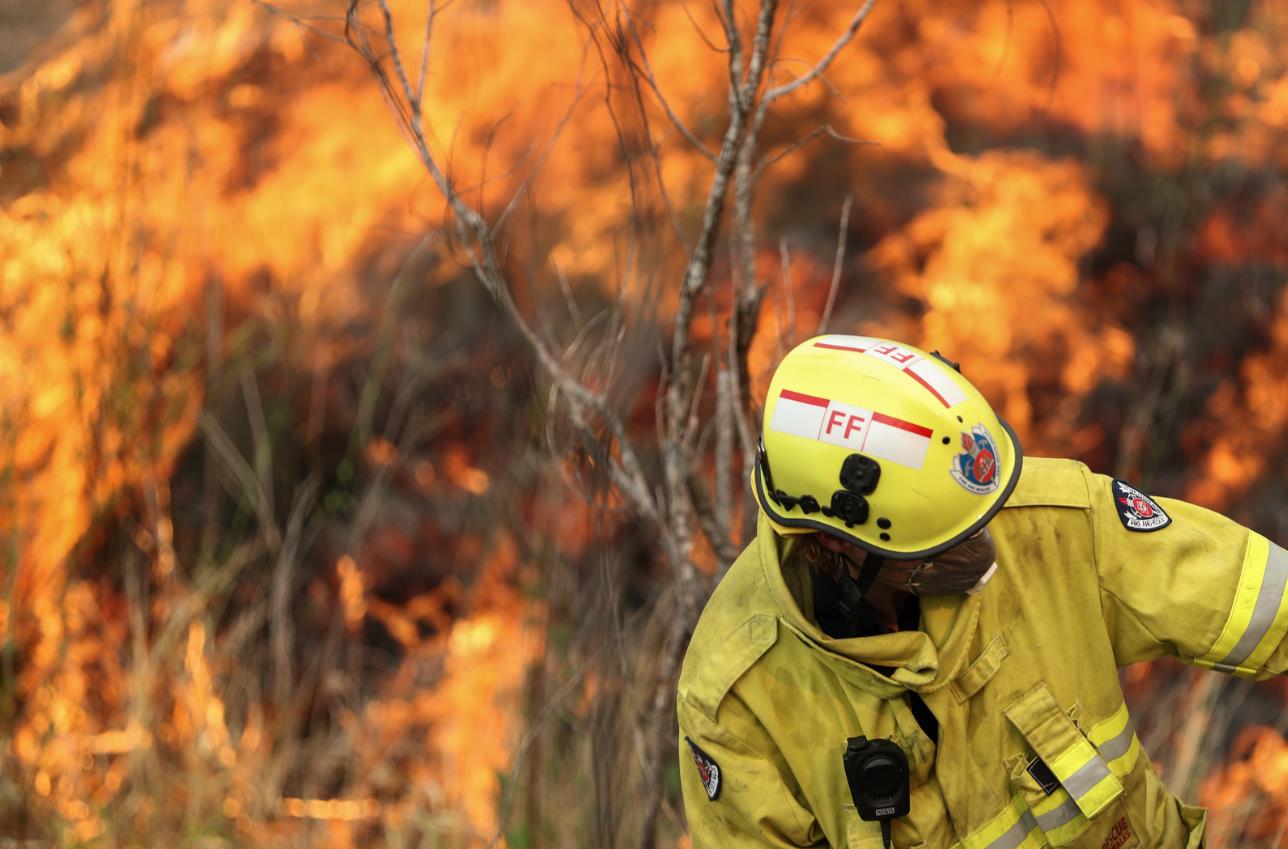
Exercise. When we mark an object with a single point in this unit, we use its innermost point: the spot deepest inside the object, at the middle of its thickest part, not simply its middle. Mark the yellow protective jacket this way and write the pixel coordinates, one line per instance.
(1025, 669)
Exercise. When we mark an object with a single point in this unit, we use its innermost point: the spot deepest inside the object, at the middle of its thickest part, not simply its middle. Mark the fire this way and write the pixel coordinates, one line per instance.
(189, 191)
(952, 259)
(352, 592)
(1252, 789)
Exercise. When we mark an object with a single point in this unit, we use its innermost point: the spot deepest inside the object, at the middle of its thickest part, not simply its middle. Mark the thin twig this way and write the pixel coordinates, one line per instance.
(507, 797)
(302, 21)
(841, 231)
(650, 145)
(825, 130)
(540, 163)
(623, 143)
(706, 39)
(789, 293)
(241, 470)
(643, 69)
(424, 52)
(573, 311)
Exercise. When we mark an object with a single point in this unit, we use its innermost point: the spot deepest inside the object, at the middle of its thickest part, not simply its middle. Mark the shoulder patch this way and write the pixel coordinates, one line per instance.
(708, 770)
(1136, 510)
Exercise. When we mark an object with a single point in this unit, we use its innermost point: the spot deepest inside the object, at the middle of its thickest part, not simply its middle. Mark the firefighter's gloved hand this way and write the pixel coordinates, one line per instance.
(964, 568)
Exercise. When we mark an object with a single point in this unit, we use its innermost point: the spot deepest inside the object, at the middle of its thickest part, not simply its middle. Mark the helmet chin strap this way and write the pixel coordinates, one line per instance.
(868, 572)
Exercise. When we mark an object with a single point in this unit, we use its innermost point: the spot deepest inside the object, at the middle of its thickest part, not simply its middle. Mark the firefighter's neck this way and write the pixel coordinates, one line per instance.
(887, 595)
(887, 601)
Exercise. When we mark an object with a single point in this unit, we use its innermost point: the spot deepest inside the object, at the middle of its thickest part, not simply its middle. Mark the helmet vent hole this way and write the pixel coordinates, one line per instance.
(885, 537)
(883, 523)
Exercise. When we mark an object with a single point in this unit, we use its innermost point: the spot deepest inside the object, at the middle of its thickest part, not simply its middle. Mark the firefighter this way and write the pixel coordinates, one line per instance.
(915, 580)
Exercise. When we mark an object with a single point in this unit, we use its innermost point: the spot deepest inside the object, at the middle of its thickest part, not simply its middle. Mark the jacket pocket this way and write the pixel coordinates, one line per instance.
(1063, 780)
(981, 670)
(860, 834)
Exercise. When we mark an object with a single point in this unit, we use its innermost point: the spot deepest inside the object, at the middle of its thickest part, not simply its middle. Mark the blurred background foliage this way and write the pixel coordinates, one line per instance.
(298, 547)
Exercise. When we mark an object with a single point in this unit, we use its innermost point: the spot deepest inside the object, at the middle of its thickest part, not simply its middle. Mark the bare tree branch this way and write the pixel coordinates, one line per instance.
(729, 17)
(695, 275)
(716, 534)
(675, 432)
(722, 505)
(478, 242)
(823, 64)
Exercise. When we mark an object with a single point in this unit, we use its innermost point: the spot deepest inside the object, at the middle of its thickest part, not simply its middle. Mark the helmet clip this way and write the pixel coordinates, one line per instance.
(957, 367)
(859, 474)
(849, 507)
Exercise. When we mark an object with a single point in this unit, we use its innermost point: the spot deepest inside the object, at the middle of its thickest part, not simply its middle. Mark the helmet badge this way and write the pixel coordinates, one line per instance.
(975, 468)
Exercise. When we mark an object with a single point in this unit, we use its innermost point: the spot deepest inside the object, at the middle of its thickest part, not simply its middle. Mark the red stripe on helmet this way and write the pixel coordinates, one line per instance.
(803, 398)
(929, 388)
(834, 347)
(920, 430)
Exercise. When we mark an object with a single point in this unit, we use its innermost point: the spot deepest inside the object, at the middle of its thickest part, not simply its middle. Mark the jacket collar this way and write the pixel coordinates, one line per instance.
(922, 660)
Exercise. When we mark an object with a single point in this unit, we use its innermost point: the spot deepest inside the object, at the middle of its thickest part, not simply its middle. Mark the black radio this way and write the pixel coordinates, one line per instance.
(877, 772)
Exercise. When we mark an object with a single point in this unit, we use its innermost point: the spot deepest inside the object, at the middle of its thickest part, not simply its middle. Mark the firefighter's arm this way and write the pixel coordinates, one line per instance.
(735, 791)
(1182, 580)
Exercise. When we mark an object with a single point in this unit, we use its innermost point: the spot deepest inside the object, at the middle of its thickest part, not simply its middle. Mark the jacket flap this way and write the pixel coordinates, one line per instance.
(1051, 483)
(728, 660)
(1067, 753)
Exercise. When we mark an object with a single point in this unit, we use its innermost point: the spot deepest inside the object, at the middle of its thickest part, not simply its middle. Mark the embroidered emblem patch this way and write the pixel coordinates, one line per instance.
(708, 770)
(976, 467)
(1137, 510)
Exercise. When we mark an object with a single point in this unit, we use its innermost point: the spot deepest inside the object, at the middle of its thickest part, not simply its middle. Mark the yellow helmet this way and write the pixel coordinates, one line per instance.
(883, 445)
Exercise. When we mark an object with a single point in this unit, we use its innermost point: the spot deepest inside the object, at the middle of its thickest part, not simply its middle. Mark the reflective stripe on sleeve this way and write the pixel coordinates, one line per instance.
(1258, 618)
